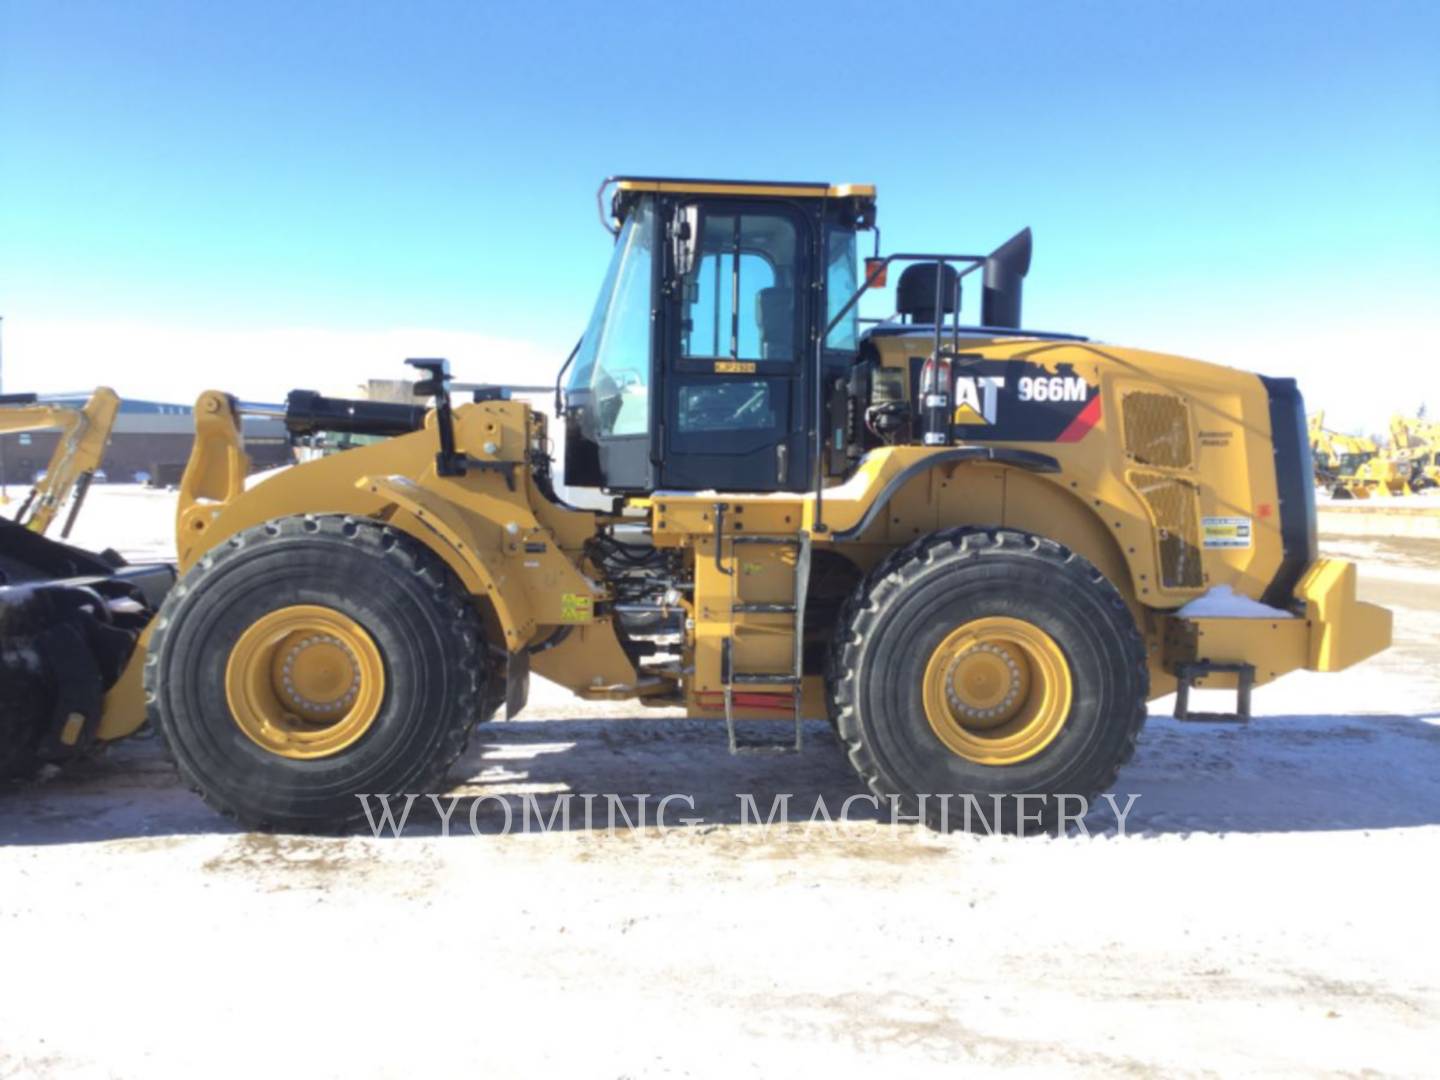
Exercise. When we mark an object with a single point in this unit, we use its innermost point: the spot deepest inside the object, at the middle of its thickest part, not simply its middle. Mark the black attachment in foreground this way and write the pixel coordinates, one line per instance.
(1186, 674)
(447, 461)
(27, 557)
(64, 643)
(307, 412)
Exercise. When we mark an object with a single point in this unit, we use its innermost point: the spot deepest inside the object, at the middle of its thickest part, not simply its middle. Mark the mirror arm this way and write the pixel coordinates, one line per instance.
(560, 377)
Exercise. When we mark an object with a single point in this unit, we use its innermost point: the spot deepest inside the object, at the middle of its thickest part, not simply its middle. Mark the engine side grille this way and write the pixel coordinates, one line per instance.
(1173, 503)
(1157, 429)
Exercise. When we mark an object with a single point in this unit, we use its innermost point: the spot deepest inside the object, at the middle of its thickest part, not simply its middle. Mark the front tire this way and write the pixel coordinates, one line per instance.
(992, 664)
(312, 660)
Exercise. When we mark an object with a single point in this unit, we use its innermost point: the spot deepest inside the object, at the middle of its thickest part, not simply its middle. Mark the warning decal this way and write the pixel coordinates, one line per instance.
(576, 608)
(1225, 532)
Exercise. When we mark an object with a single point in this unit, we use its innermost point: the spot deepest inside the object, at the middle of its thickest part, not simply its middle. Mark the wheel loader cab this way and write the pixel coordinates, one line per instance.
(696, 370)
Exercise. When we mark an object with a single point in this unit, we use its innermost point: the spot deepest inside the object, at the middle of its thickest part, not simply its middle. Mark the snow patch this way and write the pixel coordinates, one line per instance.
(1223, 602)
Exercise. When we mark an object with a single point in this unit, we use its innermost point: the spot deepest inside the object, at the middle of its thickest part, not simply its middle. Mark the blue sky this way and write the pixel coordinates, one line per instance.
(282, 193)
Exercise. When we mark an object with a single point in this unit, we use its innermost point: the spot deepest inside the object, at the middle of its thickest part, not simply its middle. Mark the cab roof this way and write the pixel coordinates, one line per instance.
(860, 198)
(795, 189)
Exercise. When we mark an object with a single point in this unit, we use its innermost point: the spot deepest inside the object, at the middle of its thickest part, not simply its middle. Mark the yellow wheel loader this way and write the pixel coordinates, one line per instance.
(978, 549)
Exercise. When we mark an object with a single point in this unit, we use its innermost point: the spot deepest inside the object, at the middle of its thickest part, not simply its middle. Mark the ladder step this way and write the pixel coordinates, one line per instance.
(778, 747)
(795, 626)
(1186, 674)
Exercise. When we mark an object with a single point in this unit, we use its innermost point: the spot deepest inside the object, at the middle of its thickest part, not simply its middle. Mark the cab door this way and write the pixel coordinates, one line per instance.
(736, 335)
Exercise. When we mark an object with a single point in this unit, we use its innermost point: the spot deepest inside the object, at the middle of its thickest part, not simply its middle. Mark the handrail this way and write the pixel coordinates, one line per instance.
(875, 269)
(560, 375)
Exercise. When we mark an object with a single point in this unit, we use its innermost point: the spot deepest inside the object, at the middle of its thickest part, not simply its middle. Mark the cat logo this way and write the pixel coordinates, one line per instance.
(1016, 400)
(976, 398)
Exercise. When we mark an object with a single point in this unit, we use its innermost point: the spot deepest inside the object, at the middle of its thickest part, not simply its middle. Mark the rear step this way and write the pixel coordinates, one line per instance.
(1186, 674)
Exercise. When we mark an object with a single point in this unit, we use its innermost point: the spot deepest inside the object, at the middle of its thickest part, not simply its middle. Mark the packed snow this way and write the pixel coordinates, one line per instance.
(1223, 602)
(1268, 906)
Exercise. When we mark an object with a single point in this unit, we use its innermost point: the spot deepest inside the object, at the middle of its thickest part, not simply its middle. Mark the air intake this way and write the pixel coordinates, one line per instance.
(1005, 271)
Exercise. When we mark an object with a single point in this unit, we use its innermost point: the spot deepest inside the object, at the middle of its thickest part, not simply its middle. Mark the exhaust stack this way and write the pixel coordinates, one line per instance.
(1005, 271)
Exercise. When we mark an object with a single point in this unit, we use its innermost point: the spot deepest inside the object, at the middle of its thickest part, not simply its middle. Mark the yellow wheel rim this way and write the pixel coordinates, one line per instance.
(304, 681)
(997, 690)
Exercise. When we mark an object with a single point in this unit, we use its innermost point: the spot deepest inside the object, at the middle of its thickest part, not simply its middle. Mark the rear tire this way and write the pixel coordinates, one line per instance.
(915, 606)
(414, 643)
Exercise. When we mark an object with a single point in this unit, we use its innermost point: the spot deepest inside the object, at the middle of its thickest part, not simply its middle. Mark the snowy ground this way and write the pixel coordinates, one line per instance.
(1268, 909)
(1426, 497)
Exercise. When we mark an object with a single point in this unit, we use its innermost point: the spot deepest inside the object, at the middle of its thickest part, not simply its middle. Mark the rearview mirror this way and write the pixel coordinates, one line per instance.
(685, 236)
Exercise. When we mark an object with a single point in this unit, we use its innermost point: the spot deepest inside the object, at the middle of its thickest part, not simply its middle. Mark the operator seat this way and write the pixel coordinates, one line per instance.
(775, 315)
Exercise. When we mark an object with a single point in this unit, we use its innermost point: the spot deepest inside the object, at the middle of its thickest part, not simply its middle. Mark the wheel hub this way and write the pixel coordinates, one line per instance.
(997, 690)
(304, 681)
(984, 684)
(319, 674)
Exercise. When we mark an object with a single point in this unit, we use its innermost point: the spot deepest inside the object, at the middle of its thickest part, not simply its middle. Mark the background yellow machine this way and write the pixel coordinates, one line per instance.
(1356, 467)
(84, 434)
(1415, 448)
(977, 549)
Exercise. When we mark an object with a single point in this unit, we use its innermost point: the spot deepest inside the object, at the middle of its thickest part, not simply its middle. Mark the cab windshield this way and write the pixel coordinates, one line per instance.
(614, 358)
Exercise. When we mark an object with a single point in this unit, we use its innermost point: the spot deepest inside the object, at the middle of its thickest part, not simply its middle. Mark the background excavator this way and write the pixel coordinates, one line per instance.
(977, 549)
(83, 435)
